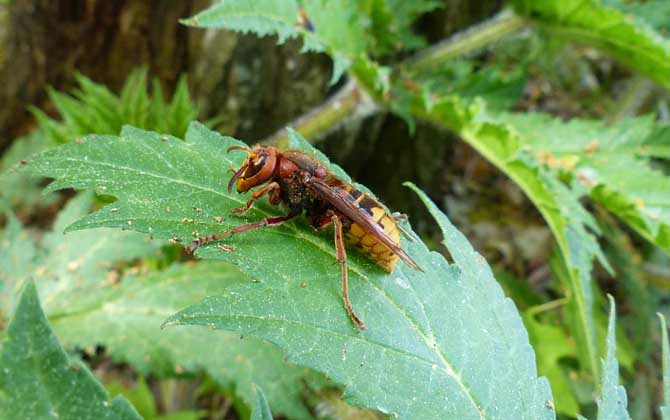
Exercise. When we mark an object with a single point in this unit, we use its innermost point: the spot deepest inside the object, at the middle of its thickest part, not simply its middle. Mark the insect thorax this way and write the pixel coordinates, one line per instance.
(297, 196)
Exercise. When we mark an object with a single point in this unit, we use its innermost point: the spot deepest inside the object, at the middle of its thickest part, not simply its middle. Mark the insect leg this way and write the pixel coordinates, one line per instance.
(271, 188)
(320, 223)
(405, 232)
(267, 222)
(342, 259)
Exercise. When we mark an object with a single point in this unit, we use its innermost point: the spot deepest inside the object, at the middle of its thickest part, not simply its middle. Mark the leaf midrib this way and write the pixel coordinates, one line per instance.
(299, 233)
(340, 335)
(400, 309)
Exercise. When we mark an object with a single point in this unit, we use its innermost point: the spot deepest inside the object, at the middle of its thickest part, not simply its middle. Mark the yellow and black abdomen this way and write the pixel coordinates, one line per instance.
(367, 242)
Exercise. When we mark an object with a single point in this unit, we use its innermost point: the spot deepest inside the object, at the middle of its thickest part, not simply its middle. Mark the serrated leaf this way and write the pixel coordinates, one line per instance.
(333, 27)
(68, 266)
(429, 360)
(569, 221)
(91, 109)
(65, 264)
(262, 18)
(19, 192)
(89, 305)
(590, 22)
(612, 401)
(390, 23)
(665, 408)
(180, 111)
(17, 263)
(126, 319)
(39, 380)
(610, 162)
(499, 87)
(417, 93)
(95, 109)
(103, 111)
(261, 410)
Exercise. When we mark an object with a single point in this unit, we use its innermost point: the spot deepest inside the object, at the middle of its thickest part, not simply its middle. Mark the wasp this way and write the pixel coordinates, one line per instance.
(305, 185)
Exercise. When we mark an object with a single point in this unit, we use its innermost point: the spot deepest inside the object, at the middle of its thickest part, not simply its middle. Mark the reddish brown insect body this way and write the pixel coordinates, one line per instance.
(303, 184)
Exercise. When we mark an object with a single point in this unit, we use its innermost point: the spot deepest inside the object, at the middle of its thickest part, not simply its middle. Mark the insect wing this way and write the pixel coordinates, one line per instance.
(350, 210)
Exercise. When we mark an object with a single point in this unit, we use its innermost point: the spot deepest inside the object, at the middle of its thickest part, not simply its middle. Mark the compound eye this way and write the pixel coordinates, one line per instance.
(256, 166)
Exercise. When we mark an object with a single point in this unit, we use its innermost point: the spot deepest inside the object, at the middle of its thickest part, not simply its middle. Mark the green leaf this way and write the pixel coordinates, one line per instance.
(610, 162)
(95, 109)
(17, 263)
(334, 27)
(651, 12)
(19, 192)
(90, 109)
(179, 113)
(499, 87)
(262, 18)
(261, 410)
(126, 319)
(590, 22)
(67, 265)
(88, 305)
(665, 408)
(136, 99)
(390, 23)
(569, 221)
(472, 361)
(612, 402)
(39, 380)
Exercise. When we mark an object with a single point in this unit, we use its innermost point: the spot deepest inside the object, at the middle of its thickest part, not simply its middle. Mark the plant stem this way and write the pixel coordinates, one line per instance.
(348, 102)
(547, 306)
(473, 38)
(353, 101)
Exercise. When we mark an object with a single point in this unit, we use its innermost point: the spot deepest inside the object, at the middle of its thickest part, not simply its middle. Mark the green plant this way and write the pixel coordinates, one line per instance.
(597, 160)
(92, 109)
(95, 109)
(86, 307)
(413, 335)
(39, 380)
(601, 178)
